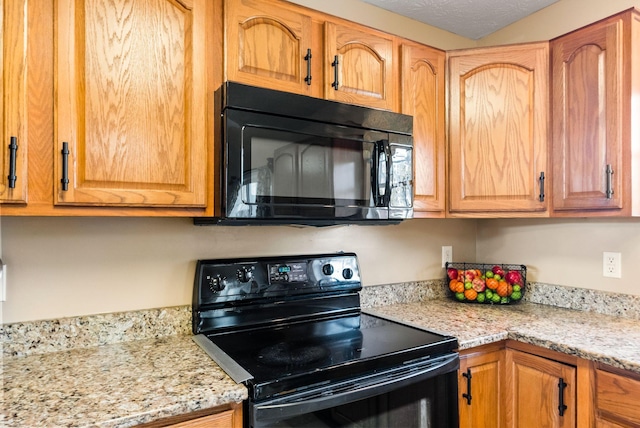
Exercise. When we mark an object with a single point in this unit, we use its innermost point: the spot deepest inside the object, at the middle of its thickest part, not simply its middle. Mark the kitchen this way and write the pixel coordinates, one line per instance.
(75, 266)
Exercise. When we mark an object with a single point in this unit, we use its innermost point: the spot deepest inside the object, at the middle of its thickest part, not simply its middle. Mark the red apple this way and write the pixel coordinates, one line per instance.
(452, 273)
(497, 270)
(513, 277)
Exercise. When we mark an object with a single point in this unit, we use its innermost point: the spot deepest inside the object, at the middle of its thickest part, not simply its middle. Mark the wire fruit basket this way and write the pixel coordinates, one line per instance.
(486, 283)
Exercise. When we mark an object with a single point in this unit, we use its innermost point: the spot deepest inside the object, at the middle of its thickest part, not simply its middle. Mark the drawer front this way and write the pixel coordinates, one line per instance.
(617, 398)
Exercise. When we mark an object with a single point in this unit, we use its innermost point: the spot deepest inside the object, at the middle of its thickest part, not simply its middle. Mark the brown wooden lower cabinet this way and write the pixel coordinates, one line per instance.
(542, 392)
(617, 395)
(516, 385)
(481, 387)
(227, 416)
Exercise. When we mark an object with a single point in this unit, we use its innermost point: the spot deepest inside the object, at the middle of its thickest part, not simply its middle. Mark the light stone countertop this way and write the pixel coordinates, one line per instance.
(144, 377)
(597, 337)
(115, 385)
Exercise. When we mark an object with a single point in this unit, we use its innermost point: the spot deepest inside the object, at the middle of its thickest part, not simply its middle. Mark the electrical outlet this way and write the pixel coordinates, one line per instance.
(612, 265)
(447, 255)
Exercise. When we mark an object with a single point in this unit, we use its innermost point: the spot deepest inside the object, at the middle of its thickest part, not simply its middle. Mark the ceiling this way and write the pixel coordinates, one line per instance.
(473, 19)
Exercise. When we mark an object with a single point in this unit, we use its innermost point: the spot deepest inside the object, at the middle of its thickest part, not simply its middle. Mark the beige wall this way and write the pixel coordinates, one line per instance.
(74, 266)
(565, 252)
(557, 19)
(373, 16)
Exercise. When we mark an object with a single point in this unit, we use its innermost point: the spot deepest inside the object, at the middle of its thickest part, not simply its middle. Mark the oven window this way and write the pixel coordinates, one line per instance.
(287, 168)
(428, 404)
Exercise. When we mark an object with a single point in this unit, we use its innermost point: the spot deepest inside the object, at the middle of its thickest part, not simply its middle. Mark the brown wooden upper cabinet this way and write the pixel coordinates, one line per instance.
(358, 66)
(13, 93)
(270, 45)
(130, 123)
(498, 115)
(276, 45)
(596, 128)
(423, 96)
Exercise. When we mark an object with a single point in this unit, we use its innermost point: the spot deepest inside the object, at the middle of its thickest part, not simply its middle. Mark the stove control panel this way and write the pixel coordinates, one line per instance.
(228, 280)
(288, 272)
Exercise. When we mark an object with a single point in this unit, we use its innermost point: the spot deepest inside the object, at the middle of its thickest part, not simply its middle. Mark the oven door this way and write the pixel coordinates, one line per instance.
(287, 168)
(420, 394)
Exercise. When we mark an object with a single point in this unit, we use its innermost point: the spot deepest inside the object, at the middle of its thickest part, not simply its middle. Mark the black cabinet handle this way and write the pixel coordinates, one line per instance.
(541, 182)
(308, 59)
(468, 393)
(561, 406)
(65, 167)
(13, 149)
(335, 64)
(609, 191)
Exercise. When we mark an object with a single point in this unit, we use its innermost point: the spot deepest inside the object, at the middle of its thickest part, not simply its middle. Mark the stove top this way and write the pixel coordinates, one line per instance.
(283, 324)
(289, 357)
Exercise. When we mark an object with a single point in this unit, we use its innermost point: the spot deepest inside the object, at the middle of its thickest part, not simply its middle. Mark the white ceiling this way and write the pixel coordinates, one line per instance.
(469, 18)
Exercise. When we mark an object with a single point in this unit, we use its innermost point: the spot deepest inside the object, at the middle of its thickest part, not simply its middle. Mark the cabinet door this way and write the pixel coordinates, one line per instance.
(363, 72)
(535, 391)
(588, 69)
(130, 103)
(616, 398)
(13, 89)
(267, 46)
(498, 130)
(423, 97)
(481, 401)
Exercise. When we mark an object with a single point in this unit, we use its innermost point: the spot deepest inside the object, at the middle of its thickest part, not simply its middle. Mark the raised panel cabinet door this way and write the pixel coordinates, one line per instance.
(13, 91)
(269, 45)
(481, 390)
(588, 72)
(541, 392)
(358, 66)
(498, 130)
(616, 398)
(423, 97)
(130, 98)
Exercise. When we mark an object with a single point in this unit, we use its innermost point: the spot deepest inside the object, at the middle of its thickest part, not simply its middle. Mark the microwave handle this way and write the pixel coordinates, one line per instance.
(382, 174)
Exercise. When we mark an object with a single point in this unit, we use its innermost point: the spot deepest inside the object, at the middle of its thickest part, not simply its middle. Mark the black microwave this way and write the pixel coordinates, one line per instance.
(293, 159)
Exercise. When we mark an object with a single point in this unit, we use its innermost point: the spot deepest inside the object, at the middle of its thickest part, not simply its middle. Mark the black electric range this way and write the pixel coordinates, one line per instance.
(291, 329)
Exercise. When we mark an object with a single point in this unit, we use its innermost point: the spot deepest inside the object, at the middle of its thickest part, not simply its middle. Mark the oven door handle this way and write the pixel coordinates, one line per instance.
(262, 414)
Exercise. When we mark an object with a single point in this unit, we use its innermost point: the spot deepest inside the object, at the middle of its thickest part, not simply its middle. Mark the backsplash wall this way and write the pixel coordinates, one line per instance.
(60, 267)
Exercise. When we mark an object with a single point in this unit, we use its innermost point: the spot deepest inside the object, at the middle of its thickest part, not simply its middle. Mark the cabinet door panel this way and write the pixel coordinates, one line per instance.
(535, 397)
(498, 129)
(364, 69)
(423, 97)
(587, 83)
(131, 102)
(486, 409)
(13, 93)
(267, 45)
(617, 398)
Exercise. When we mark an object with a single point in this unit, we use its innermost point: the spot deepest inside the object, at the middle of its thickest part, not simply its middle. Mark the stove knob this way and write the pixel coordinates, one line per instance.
(347, 273)
(245, 274)
(216, 283)
(327, 269)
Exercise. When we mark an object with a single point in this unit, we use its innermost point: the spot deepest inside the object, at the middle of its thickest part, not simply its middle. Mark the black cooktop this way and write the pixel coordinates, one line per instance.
(282, 324)
(288, 357)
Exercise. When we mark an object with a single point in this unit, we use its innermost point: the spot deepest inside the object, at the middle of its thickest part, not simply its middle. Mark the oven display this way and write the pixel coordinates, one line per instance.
(290, 272)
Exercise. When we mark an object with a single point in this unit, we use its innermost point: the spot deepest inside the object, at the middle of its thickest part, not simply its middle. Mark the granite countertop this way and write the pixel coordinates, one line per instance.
(597, 337)
(130, 382)
(115, 385)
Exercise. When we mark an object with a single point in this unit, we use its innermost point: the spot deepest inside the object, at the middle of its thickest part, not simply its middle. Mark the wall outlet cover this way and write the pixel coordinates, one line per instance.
(611, 265)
